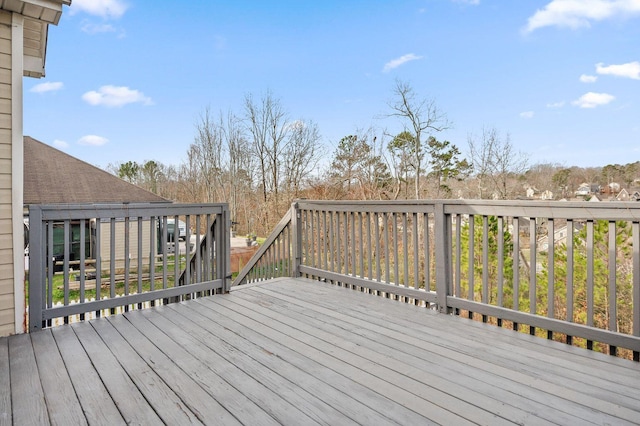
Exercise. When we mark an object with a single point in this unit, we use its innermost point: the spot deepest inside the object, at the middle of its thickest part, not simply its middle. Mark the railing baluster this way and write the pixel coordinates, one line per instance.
(500, 290)
(361, 244)
(458, 286)
(153, 226)
(516, 268)
(533, 264)
(485, 262)
(613, 315)
(395, 244)
(318, 239)
(325, 239)
(127, 258)
(471, 270)
(346, 245)
(65, 265)
(376, 229)
(354, 245)
(590, 278)
(140, 219)
(197, 249)
(405, 250)
(550, 273)
(49, 285)
(636, 285)
(163, 246)
(98, 255)
(83, 246)
(370, 249)
(569, 276)
(428, 262)
(416, 254)
(386, 248)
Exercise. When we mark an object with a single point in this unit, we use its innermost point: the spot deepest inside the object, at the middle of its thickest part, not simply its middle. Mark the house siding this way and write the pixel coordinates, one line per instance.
(105, 243)
(7, 296)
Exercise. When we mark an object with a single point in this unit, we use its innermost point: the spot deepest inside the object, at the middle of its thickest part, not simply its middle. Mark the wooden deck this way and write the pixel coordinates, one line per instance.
(303, 352)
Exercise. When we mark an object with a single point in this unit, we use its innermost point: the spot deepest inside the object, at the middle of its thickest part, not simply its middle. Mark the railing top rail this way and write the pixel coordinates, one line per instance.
(584, 210)
(106, 211)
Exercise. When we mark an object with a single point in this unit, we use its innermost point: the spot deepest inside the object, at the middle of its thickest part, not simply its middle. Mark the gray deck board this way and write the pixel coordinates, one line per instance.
(338, 393)
(5, 383)
(27, 397)
(598, 394)
(302, 352)
(127, 397)
(164, 401)
(56, 385)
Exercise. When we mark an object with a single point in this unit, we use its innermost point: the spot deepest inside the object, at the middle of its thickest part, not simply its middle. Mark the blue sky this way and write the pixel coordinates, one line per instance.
(127, 79)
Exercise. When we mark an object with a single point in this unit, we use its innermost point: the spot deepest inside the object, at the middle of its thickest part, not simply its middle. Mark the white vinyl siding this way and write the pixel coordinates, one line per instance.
(7, 313)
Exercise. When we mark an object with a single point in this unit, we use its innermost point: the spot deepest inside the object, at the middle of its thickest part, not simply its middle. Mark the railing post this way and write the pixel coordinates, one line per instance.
(443, 256)
(37, 254)
(226, 243)
(296, 225)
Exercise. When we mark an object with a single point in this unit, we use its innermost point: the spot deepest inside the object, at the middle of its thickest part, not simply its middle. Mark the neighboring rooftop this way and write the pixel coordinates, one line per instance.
(54, 177)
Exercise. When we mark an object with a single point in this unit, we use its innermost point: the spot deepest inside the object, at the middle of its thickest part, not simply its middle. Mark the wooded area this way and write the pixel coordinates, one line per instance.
(260, 159)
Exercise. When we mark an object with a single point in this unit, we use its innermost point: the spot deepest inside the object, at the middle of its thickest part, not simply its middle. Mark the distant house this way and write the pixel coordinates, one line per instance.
(54, 177)
(546, 195)
(583, 190)
(560, 236)
(623, 195)
(531, 192)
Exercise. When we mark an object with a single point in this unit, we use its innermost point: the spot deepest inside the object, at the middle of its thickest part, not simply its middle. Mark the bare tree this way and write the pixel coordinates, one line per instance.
(301, 155)
(496, 163)
(267, 124)
(421, 117)
(206, 153)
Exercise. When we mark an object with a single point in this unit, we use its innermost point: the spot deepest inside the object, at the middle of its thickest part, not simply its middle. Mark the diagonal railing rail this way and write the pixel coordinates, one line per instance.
(275, 257)
(98, 259)
(566, 271)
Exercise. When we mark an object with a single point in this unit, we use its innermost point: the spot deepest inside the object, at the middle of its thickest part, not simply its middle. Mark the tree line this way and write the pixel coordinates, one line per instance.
(260, 159)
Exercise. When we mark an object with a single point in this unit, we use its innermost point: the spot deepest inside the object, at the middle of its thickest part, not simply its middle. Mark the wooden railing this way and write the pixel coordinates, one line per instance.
(487, 260)
(93, 260)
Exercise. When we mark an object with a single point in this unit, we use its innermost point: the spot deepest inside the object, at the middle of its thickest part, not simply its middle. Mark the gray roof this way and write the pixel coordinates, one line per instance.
(53, 177)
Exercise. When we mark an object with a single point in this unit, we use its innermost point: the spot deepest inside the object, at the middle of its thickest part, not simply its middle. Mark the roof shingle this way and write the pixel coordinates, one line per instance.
(53, 177)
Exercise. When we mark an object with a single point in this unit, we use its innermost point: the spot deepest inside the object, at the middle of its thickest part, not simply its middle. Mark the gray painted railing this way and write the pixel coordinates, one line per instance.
(419, 252)
(128, 252)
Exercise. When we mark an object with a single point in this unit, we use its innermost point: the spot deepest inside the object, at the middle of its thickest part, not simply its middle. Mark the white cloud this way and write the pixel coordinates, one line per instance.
(588, 78)
(592, 100)
(580, 13)
(527, 114)
(115, 96)
(628, 70)
(556, 104)
(472, 2)
(108, 9)
(91, 28)
(395, 63)
(92, 140)
(60, 144)
(49, 86)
